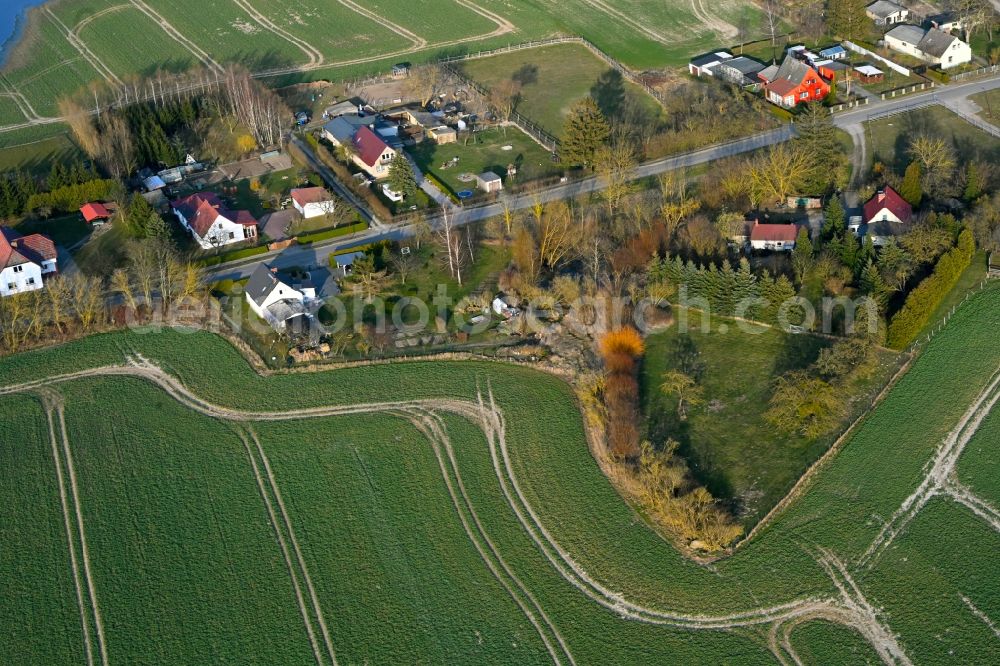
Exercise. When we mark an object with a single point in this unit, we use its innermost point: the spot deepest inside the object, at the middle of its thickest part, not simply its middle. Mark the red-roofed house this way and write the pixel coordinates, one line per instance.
(312, 201)
(371, 153)
(96, 213)
(24, 260)
(780, 237)
(795, 82)
(212, 225)
(886, 214)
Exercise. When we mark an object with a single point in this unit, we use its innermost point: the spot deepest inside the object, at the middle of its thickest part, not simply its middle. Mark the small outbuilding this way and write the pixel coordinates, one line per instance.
(489, 182)
(442, 134)
(868, 74)
(96, 214)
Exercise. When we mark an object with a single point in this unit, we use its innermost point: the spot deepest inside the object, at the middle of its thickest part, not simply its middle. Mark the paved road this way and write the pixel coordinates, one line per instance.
(318, 254)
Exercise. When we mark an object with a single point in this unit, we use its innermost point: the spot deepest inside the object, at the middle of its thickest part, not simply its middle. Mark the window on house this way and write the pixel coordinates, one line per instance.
(31, 280)
(231, 235)
(12, 286)
(804, 95)
(18, 269)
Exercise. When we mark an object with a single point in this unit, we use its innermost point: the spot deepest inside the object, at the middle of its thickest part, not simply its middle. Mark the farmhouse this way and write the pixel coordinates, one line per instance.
(795, 82)
(96, 214)
(885, 12)
(779, 237)
(311, 201)
(367, 149)
(886, 214)
(706, 64)
(272, 297)
(932, 45)
(210, 224)
(24, 260)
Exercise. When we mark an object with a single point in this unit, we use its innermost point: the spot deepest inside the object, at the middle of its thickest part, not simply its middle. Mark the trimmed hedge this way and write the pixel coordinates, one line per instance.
(444, 188)
(332, 233)
(924, 299)
(233, 255)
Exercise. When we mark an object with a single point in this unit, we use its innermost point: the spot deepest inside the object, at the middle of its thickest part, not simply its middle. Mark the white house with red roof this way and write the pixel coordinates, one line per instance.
(371, 153)
(777, 237)
(312, 201)
(885, 215)
(210, 223)
(24, 260)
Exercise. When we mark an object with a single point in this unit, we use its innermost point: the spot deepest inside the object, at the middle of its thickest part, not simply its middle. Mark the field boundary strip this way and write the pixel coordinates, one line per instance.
(102, 69)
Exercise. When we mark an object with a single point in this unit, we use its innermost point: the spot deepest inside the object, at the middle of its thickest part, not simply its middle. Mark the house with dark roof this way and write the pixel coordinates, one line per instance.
(885, 12)
(706, 64)
(278, 299)
(885, 215)
(776, 237)
(24, 260)
(211, 224)
(795, 82)
(930, 45)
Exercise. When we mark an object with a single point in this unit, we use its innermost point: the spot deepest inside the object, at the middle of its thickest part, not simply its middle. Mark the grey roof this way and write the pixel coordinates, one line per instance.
(829, 51)
(710, 58)
(909, 34)
(792, 69)
(769, 72)
(884, 8)
(488, 176)
(347, 258)
(747, 66)
(342, 128)
(262, 282)
(936, 42)
(284, 310)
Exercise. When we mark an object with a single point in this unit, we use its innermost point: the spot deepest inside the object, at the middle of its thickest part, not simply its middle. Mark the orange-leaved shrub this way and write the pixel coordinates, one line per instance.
(620, 350)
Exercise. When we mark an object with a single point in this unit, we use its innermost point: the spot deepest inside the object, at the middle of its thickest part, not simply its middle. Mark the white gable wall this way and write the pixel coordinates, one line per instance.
(21, 278)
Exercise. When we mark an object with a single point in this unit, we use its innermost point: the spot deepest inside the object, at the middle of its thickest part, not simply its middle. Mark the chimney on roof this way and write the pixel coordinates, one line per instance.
(274, 269)
(881, 196)
(13, 243)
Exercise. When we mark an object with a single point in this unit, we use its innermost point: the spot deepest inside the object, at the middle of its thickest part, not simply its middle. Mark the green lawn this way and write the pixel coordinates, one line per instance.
(890, 136)
(484, 151)
(554, 77)
(729, 444)
(989, 102)
(64, 231)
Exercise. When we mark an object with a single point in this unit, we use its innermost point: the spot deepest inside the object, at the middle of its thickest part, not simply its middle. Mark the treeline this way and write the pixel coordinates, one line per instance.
(18, 187)
(69, 198)
(724, 288)
(925, 298)
(156, 129)
(658, 479)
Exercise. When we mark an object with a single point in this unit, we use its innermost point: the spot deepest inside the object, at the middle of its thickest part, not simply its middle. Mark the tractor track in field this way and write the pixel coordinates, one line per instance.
(102, 69)
(316, 58)
(175, 34)
(416, 41)
(849, 608)
(939, 478)
(636, 25)
(70, 494)
(712, 21)
(262, 485)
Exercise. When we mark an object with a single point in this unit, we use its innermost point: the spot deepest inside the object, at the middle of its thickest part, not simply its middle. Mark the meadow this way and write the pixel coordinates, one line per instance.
(891, 136)
(430, 534)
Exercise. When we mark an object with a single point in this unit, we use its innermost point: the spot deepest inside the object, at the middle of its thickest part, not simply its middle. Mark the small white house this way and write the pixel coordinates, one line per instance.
(312, 201)
(274, 299)
(774, 237)
(885, 12)
(932, 45)
(24, 260)
(210, 224)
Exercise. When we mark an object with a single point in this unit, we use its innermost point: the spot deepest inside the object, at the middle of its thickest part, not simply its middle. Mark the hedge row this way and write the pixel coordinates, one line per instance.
(925, 298)
(444, 188)
(233, 255)
(332, 233)
(69, 198)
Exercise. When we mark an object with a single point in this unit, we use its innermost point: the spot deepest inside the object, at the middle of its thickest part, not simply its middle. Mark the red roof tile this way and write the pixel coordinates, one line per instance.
(891, 200)
(94, 211)
(774, 232)
(16, 249)
(201, 209)
(308, 195)
(369, 146)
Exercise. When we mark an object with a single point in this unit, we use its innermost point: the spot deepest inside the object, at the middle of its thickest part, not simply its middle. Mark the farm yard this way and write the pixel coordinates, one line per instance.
(476, 538)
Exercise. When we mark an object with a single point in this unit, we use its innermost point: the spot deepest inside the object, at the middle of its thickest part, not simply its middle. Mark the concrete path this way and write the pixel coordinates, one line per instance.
(432, 190)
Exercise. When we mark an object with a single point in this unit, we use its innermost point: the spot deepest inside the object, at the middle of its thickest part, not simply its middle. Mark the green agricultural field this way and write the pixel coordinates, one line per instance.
(221, 523)
(485, 152)
(37, 156)
(890, 137)
(731, 447)
(155, 51)
(553, 79)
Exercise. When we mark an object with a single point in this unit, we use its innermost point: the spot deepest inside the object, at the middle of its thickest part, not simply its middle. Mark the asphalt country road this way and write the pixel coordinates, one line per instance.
(318, 254)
